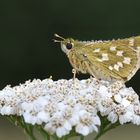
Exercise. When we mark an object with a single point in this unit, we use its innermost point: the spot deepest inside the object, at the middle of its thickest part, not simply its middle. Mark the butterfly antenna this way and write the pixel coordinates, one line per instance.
(58, 36)
(56, 40)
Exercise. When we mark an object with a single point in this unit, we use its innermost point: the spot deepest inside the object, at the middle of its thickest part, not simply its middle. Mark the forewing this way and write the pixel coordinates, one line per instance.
(117, 59)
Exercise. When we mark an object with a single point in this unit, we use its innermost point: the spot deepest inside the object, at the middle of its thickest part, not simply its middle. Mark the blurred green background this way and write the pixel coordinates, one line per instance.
(27, 50)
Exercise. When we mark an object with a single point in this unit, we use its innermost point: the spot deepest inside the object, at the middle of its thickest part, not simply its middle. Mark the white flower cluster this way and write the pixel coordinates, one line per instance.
(61, 105)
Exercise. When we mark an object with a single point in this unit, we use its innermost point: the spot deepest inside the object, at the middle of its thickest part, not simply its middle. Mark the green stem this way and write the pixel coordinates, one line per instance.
(43, 133)
(72, 134)
(30, 134)
(54, 137)
(106, 128)
(19, 121)
(28, 128)
(82, 137)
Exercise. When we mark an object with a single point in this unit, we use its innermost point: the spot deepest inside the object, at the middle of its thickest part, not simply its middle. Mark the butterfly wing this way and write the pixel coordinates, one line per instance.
(117, 59)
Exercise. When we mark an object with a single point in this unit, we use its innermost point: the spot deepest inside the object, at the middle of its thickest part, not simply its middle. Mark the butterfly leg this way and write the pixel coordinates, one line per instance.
(116, 86)
(74, 74)
(50, 77)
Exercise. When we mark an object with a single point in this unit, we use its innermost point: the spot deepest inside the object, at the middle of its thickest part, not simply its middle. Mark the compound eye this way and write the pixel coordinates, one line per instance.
(69, 46)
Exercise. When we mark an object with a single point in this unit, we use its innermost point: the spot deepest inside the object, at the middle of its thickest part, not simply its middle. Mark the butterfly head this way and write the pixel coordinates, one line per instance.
(66, 44)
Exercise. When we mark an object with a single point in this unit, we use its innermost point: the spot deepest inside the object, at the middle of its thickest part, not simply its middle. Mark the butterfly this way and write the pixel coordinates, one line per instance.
(115, 60)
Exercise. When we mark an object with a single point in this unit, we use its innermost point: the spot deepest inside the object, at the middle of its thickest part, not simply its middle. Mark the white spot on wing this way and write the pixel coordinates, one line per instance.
(127, 60)
(105, 57)
(119, 53)
(138, 48)
(97, 50)
(131, 42)
(120, 64)
(110, 67)
(100, 60)
(116, 67)
(113, 48)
